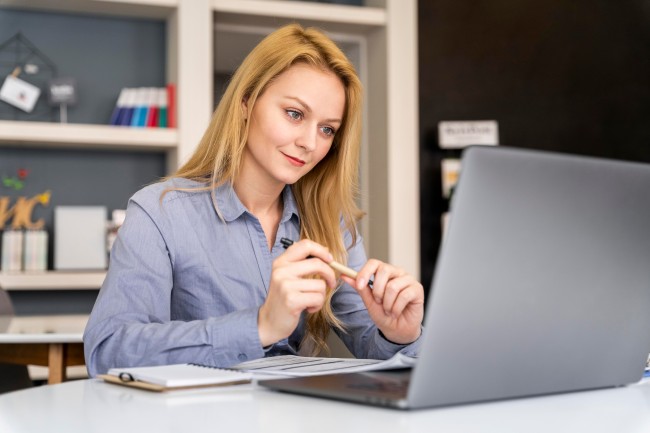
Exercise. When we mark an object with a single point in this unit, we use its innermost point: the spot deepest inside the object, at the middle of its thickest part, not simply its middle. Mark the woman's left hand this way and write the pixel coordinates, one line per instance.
(395, 303)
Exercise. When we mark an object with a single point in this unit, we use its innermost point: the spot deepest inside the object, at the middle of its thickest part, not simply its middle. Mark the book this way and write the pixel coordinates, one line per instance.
(140, 107)
(171, 105)
(118, 111)
(130, 99)
(162, 108)
(175, 376)
(300, 366)
(152, 108)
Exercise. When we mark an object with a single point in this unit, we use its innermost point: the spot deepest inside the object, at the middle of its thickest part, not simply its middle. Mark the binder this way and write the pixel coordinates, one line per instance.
(162, 108)
(171, 105)
(130, 100)
(140, 107)
(118, 111)
(153, 108)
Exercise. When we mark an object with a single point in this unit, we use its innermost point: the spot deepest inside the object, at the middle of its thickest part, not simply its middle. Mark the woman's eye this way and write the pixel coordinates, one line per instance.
(294, 115)
(328, 131)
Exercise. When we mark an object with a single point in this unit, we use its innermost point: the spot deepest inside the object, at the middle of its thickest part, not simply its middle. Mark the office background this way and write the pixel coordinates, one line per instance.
(566, 76)
(556, 75)
(132, 54)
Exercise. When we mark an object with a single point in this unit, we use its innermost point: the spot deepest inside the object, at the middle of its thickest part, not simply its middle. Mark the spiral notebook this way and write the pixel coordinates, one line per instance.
(175, 376)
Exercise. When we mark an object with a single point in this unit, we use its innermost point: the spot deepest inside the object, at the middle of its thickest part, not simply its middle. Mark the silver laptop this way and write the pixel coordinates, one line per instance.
(542, 286)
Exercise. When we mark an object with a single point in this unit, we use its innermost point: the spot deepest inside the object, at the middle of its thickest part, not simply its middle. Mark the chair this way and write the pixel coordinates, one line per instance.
(12, 376)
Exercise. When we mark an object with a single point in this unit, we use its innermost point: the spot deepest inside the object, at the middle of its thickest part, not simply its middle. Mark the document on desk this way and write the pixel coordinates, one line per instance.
(298, 366)
(176, 376)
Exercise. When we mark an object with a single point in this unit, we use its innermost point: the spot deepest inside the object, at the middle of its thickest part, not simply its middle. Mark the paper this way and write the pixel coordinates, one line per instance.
(19, 93)
(298, 366)
(179, 375)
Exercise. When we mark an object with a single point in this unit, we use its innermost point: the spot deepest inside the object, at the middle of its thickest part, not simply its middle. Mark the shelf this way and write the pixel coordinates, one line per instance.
(51, 280)
(359, 16)
(43, 134)
(156, 9)
(383, 39)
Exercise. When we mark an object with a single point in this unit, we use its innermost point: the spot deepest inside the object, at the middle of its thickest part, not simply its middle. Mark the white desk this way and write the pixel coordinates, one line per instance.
(94, 406)
(54, 341)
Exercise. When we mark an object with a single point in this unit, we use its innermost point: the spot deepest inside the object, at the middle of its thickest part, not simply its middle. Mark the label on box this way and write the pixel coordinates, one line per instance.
(457, 134)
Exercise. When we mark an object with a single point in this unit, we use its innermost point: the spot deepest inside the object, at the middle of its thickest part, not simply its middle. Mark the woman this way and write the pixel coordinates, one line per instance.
(198, 273)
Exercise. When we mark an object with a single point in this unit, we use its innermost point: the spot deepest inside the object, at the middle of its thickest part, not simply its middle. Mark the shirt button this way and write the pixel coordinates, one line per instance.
(242, 357)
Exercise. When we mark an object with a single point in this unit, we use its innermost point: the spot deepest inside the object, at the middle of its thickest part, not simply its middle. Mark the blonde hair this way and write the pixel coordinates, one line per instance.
(327, 193)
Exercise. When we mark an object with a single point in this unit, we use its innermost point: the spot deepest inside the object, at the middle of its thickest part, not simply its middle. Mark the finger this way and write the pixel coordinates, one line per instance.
(366, 272)
(365, 275)
(392, 291)
(303, 268)
(383, 273)
(304, 285)
(365, 292)
(305, 248)
(310, 301)
(412, 295)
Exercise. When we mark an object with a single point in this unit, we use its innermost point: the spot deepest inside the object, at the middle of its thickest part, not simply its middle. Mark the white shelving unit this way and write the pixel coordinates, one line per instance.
(56, 135)
(383, 39)
(305, 11)
(51, 280)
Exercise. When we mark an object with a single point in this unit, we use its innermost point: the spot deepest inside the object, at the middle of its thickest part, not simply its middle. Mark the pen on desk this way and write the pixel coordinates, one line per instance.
(286, 243)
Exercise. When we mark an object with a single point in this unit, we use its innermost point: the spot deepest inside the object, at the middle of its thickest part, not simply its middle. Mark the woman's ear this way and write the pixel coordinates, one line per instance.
(244, 107)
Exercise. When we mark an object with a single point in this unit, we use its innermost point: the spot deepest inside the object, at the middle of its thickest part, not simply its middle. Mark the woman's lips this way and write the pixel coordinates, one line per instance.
(294, 161)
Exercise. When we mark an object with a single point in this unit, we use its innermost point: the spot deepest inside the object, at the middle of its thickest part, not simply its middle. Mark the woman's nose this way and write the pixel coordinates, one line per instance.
(307, 138)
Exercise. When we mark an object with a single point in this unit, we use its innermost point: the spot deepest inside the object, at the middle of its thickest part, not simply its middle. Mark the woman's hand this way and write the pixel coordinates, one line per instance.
(395, 303)
(293, 290)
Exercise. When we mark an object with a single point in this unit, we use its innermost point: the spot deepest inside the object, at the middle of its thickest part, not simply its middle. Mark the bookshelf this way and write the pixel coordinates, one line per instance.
(51, 280)
(383, 37)
(56, 135)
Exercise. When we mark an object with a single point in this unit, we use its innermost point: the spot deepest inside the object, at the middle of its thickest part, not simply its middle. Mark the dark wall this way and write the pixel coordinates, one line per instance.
(569, 76)
(103, 55)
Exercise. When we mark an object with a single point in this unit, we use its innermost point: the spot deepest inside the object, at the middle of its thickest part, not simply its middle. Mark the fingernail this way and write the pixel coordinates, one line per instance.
(362, 283)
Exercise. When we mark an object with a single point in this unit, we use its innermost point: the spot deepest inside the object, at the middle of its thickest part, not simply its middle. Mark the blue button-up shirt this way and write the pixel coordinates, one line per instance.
(185, 285)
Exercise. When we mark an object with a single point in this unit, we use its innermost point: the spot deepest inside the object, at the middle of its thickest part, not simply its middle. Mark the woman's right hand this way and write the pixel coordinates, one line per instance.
(293, 289)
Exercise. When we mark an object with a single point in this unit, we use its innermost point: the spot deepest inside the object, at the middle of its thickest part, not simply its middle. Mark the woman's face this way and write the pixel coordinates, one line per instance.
(292, 124)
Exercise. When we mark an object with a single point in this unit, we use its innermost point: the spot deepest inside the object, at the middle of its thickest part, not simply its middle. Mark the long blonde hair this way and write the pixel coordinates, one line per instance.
(325, 195)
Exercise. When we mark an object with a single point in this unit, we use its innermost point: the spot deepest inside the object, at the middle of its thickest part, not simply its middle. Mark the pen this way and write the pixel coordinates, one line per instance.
(286, 243)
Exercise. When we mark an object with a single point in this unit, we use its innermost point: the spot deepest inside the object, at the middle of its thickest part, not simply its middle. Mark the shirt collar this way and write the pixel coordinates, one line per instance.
(232, 208)
(290, 205)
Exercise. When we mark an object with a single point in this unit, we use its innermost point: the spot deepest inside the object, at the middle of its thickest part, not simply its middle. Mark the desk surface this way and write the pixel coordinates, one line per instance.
(42, 329)
(91, 405)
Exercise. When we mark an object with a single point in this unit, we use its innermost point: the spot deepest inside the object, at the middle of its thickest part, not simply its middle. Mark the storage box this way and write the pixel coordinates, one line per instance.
(80, 237)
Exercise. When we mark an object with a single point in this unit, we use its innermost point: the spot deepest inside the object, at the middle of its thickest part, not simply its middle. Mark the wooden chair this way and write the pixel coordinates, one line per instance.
(12, 377)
